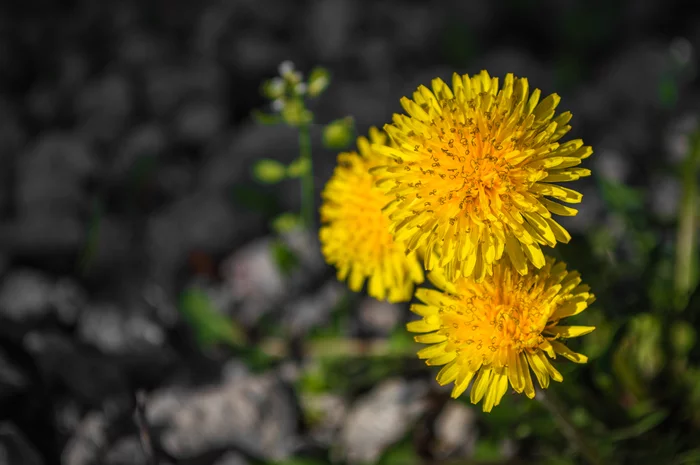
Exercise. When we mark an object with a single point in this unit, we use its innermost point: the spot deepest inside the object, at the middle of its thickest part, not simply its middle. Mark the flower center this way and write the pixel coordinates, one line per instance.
(488, 325)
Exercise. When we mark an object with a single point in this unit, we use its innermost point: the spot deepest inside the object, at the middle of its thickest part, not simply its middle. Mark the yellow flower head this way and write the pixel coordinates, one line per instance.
(471, 169)
(356, 237)
(501, 328)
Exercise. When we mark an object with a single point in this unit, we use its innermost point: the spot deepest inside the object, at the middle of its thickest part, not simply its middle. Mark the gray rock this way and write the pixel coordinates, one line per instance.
(329, 412)
(26, 295)
(50, 173)
(165, 87)
(330, 27)
(146, 140)
(313, 310)
(139, 48)
(199, 120)
(230, 158)
(12, 378)
(43, 234)
(380, 418)
(415, 25)
(104, 106)
(29, 295)
(379, 318)
(664, 197)
(253, 54)
(175, 179)
(68, 300)
(12, 134)
(632, 76)
(15, 449)
(116, 331)
(113, 246)
(204, 222)
(375, 55)
(74, 70)
(455, 431)
(612, 165)
(257, 283)
(88, 442)
(94, 379)
(231, 458)
(126, 451)
(677, 136)
(254, 414)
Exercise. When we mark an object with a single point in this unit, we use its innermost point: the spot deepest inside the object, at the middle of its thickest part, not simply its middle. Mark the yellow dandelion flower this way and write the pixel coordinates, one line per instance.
(472, 167)
(501, 328)
(356, 237)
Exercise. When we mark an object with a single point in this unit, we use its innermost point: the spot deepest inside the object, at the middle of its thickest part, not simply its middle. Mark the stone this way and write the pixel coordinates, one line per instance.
(26, 295)
(199, 120)
(116, 331)
(381, 418)
(330, 27)
(455, 431)
(88, 442)
(126, 451)
(15, 449)
(378, 318)
(255, 414)
(12, 379)
(313, 310)
(90, 376)
(231, 458)
(51, 172)
(103, 107)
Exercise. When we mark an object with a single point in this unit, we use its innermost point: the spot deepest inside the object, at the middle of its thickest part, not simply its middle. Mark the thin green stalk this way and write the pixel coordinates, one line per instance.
(307, 178)
(572, 433)
(687, 224)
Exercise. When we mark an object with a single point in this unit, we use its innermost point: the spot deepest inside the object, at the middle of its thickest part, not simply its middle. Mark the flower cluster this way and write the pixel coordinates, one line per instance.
(467, 182)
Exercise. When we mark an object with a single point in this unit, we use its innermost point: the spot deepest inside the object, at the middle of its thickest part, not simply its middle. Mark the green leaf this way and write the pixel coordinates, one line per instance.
(621, 198)
(319, 79)
(668, 91)
(403, 453)
(338, 134)
(266, 118)
(683, 337)
(269, 171)
(686, 276)
(210, 326)
(284, 257)
(487, 449)
(298, 167)
(295, 113)
(286, 222)
(274, 88)
(647, 423)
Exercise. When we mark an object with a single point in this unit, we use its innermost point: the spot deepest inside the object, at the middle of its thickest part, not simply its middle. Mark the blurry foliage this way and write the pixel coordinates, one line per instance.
(210, 327)
(339, 134)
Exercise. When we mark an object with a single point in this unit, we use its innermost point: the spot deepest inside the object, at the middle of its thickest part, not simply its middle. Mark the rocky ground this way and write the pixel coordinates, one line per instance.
(126, 144)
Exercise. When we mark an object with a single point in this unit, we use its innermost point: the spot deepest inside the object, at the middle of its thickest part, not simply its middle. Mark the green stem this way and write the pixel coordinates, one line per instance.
(572, 433)
(307, 178)
(687, 224)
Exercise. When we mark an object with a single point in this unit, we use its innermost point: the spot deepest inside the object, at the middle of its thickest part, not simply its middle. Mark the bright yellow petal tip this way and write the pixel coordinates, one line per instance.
(497, 331)
(356, 237)
(471, 168)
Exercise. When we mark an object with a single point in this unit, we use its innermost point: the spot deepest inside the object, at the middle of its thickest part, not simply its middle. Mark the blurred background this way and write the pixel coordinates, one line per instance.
(150, 296)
